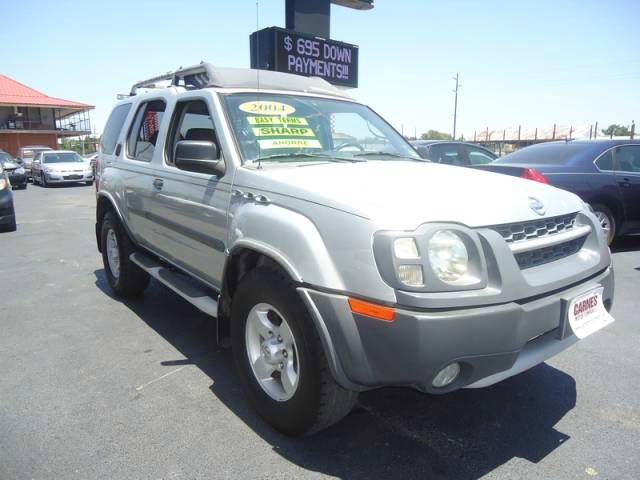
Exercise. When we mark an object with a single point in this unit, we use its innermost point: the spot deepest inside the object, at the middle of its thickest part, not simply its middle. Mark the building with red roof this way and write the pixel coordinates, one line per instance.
(30, 117)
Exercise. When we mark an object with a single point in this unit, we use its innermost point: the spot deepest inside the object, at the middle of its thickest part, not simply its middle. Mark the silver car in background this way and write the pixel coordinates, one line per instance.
(60, 166)
(27, 154)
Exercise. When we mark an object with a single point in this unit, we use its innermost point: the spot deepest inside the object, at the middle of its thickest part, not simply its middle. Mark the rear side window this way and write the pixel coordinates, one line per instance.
(628, 158)
(113, 127)
(143, 134)
(478, 156)
(449, 153)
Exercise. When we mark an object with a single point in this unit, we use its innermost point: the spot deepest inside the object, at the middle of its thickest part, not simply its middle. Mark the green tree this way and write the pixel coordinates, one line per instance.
(616, 131)
(435, 135)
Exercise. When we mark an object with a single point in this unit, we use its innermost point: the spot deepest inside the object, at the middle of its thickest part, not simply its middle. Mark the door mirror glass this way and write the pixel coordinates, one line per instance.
(199, 156)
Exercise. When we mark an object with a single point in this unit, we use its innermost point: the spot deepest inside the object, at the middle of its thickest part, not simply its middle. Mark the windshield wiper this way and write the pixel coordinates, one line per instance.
(323, 156)
(387, 154)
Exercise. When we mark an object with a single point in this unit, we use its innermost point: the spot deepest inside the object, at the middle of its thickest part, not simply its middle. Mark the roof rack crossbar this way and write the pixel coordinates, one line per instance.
(197, 76)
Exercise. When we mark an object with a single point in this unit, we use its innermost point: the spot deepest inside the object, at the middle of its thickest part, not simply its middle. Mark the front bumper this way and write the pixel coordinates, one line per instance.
(68, 177)
(491, 342)
(7, 213)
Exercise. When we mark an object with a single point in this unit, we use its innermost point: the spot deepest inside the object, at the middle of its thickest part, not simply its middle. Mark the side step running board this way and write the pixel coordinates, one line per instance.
(179, 283)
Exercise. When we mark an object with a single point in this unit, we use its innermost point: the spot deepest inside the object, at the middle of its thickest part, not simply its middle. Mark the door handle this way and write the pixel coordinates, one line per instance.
(158, 183)
(625, 182)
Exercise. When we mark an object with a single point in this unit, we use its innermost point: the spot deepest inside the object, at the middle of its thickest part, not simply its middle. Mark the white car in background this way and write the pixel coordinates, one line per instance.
(60, 166)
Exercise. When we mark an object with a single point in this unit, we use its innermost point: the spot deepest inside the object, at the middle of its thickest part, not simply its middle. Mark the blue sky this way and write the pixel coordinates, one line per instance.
(533, 63)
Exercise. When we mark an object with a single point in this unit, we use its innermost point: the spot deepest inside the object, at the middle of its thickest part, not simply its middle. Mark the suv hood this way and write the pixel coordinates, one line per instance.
(403, 195)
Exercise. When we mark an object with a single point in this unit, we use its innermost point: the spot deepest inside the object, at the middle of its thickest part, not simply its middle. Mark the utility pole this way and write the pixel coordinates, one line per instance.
(455, 106)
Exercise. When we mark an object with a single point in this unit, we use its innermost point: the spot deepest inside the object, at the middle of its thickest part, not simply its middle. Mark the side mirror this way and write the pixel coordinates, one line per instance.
(198, 156)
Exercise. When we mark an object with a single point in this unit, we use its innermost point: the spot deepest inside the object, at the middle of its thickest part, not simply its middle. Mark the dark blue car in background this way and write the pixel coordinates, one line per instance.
(604, 173)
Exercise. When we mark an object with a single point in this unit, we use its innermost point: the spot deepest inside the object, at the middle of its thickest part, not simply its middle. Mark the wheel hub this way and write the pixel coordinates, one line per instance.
(272, 352)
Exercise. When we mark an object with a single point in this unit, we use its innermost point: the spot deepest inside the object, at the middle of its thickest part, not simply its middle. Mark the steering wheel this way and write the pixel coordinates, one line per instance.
(349, 144)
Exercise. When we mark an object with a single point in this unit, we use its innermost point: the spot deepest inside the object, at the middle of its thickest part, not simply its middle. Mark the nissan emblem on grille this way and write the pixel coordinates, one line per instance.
(537, 206)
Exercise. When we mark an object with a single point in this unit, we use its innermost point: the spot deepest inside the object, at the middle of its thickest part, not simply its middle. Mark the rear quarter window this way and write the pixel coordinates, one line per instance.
(113, 128)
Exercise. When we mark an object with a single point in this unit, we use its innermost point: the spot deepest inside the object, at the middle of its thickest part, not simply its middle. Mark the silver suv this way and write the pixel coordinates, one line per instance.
(333, 257)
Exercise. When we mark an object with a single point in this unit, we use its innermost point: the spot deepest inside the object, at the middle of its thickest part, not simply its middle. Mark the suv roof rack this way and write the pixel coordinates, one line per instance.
(206, 75)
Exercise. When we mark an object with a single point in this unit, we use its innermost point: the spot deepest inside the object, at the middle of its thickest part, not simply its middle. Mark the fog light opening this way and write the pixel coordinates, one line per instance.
(447, 375)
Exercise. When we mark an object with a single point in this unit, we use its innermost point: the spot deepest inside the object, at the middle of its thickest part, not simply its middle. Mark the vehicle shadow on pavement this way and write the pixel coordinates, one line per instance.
(626, 244)
(393, 432)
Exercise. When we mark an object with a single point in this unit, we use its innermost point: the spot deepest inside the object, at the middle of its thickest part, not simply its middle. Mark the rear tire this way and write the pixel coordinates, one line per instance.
(10, 227)
(125, 277)
(607, 221)
(316, 401)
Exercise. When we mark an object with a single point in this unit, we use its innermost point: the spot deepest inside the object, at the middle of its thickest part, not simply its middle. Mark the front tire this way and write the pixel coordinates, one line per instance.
(607, 221)
(43, 180)
(125, 277)
(281, 359)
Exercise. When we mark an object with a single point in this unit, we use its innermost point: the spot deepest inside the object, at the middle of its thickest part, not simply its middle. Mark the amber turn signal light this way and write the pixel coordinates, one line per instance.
(379, 312)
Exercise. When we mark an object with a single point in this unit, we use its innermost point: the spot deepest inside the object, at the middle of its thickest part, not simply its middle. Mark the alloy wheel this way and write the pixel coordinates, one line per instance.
(113, 253)
(605, 223)
(272, 352)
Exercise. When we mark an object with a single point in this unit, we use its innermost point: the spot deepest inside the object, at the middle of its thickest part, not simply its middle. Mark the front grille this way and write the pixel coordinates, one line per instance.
(533, 258)
(518, 232)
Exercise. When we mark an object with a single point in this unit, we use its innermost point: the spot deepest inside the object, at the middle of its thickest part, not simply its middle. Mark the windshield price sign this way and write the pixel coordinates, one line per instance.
(292, 52)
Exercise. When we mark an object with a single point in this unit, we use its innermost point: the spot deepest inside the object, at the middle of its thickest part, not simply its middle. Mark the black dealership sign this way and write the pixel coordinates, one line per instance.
(292, 52)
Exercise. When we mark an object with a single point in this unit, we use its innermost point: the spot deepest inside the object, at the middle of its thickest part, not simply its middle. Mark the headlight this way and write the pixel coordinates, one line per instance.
(3, 184)
(19, 170)
(448, 256)
(405, 248)
(435, 257)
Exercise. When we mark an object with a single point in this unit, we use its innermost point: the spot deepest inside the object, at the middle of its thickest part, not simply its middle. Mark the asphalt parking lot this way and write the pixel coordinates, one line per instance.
(94, 387)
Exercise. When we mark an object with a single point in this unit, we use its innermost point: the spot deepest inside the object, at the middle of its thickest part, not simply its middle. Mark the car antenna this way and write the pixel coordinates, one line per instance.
(258, 72)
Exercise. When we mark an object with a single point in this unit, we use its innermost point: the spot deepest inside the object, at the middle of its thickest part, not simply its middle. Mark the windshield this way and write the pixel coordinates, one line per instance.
(291, 128)
(61, 157)
(544, 154)
(5, 157)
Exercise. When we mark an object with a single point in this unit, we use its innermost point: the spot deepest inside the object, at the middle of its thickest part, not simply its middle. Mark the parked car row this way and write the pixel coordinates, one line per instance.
(47, 166)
